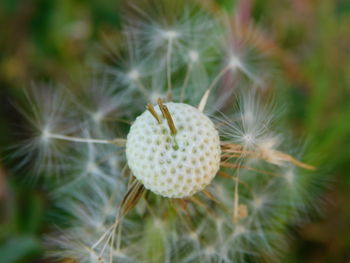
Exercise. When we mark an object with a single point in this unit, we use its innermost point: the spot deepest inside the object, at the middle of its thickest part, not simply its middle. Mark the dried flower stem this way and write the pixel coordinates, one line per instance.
(151, 109)
(166, 114)
(132, 196)
(239, 149)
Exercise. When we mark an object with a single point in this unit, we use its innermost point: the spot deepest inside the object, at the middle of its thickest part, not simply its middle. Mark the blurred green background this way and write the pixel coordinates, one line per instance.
(309, 39)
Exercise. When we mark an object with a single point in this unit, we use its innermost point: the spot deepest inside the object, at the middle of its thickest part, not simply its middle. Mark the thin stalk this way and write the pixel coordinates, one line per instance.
(184, 85)
(218, 77)
(250, 75)
(111, 248)
(107, 242)
(236, 198)
(168, 62)
(102, 237)
(78, 139)
(111, 238)
(142, 88)
(203, 101)
(117, 141)
(119, 237)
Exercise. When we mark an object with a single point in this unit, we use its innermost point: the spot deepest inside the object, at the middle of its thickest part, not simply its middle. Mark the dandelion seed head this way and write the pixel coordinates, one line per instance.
(101, 99)
(178, 57)
(174, 165)
(48, 113)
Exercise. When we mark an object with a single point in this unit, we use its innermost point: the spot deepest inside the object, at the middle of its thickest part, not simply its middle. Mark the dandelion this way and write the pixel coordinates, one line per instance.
(186, 181)
(173, 162)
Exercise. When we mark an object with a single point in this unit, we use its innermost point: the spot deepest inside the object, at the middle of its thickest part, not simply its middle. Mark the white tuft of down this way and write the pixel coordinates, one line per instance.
(179, 165)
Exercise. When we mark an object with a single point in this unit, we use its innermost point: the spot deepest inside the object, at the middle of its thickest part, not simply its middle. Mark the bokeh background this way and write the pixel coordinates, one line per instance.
(53, 41)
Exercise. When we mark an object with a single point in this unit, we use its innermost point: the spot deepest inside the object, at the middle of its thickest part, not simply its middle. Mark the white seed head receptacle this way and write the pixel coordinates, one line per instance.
(174, 165)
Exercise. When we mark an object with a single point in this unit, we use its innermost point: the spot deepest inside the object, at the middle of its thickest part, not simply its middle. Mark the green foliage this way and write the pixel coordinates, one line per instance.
(18, 248)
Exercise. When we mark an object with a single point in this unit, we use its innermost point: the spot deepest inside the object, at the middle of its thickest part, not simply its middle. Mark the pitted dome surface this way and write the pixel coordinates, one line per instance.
(174, 166)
